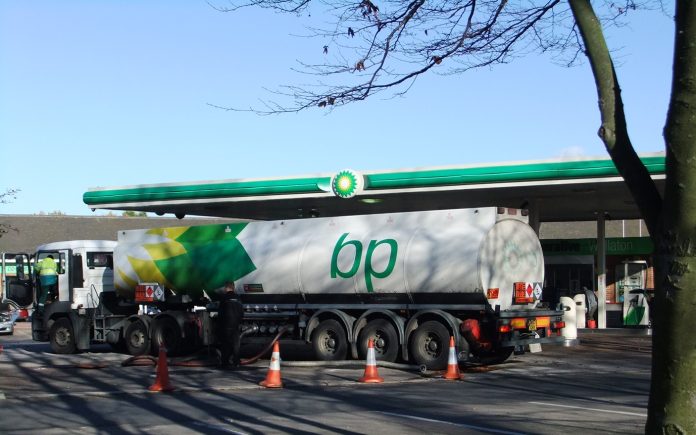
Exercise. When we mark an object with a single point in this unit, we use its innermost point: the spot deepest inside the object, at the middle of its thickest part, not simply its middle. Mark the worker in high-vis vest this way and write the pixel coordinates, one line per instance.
(47, 270)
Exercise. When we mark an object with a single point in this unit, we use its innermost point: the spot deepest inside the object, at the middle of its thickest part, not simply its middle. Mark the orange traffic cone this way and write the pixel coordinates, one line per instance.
(273, 377)
(162, 379)
(452, 365)
(371, 375)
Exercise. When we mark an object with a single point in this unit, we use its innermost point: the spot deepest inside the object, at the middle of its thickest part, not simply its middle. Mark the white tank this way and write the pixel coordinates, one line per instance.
(451, 256)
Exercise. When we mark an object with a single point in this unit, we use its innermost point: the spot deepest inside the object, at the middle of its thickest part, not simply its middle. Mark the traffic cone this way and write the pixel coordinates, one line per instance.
(273, 377)
(162, 379)
(371, 375)
(452, 373)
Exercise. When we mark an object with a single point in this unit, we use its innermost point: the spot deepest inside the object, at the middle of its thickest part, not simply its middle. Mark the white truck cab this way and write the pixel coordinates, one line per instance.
(85, 270)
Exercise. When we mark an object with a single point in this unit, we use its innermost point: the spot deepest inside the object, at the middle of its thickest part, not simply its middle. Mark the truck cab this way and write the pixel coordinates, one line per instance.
(85, 270)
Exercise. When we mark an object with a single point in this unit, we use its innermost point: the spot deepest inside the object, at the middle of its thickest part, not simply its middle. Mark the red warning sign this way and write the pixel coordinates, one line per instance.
(145, 292)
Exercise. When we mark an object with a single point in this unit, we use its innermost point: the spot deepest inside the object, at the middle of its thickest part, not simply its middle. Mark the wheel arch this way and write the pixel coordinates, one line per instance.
(345, 319)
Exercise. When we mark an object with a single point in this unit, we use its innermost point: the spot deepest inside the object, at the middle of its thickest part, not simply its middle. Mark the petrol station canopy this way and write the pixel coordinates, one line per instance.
(555, 190)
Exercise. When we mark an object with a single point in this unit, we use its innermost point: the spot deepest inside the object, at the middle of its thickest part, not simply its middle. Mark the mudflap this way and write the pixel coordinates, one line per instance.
(81, 325)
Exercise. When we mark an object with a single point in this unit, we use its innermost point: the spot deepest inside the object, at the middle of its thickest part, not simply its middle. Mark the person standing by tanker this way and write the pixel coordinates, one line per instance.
(47, 271)
(230, 315)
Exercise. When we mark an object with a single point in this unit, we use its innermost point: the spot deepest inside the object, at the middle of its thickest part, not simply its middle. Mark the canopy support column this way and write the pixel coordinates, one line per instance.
(601, 272)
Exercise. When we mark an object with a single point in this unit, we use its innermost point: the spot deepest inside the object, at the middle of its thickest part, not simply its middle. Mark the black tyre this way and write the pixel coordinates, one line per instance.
(137, 338)
(119, 346)
(167, 332)
(386, 341)
(329, 341)
(497, 356)
(429, 345)
(62, 337)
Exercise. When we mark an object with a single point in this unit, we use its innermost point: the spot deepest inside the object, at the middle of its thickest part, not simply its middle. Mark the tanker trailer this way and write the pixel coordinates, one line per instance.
(408, 281)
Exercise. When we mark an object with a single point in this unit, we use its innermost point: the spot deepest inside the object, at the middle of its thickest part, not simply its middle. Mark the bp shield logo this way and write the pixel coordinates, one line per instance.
(347, 183)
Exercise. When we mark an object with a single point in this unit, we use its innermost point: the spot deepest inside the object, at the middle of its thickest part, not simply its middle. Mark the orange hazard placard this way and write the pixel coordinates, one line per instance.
(145, 292)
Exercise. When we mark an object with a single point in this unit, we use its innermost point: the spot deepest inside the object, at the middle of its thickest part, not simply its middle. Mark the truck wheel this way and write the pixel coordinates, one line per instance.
(166, 331)
(62, 337)
(329, 341)
(137, 339)
(385, 340)
(119, 346)
(497, 356)
(429, 345)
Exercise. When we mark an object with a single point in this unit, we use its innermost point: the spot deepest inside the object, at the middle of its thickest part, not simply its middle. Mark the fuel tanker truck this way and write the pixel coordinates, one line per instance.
(408, 281)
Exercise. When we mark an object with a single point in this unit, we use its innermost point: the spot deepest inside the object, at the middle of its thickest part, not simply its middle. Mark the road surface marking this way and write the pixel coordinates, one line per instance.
(590, 409)
(2, 395)
(219, 427)
(467, 426)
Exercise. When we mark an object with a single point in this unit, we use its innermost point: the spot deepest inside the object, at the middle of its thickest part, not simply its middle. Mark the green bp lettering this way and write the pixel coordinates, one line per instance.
(370, 271)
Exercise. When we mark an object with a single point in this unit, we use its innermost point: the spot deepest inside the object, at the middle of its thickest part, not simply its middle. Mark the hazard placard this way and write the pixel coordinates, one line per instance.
(159, 293)
(147, 292)
(537, 290)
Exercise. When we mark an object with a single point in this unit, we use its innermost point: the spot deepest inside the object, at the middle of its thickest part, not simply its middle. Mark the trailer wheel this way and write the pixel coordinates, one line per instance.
(166, 331)
(385, 340)
(497, 356)
(62, 337)
(429, 345)
(119, 346)
(137, 338)
(329, 341)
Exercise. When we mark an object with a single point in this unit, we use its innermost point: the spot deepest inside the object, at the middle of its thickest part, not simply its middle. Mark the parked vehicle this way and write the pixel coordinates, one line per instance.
(408, 281)
(7, 320)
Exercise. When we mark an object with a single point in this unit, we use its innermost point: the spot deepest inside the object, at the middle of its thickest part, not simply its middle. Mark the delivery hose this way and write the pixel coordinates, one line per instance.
(197, 362)
(356, 364)
(268, 347)
(139, 360)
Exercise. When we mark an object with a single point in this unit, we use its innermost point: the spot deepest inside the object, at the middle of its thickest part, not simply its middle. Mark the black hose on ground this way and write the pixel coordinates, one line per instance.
(139, 360)
(256, 357)
(354, 363)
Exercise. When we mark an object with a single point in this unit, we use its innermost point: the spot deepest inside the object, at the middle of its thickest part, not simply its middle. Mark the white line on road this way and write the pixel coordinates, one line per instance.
(468, 426)
(2, 395)
(590, 409)
(218, 427)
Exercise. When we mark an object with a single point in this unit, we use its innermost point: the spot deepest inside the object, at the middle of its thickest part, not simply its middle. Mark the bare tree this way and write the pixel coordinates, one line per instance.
(375, 47)
(6, 197)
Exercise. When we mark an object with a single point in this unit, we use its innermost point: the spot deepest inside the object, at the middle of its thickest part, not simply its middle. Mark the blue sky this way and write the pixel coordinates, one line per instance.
(99, 93)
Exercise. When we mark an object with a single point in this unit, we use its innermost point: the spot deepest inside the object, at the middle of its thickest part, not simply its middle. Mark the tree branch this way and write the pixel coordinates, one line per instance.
(613, 130)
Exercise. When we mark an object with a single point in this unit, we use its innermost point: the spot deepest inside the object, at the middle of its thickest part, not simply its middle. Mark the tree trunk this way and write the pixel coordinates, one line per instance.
(672, 222)
(672, 407)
